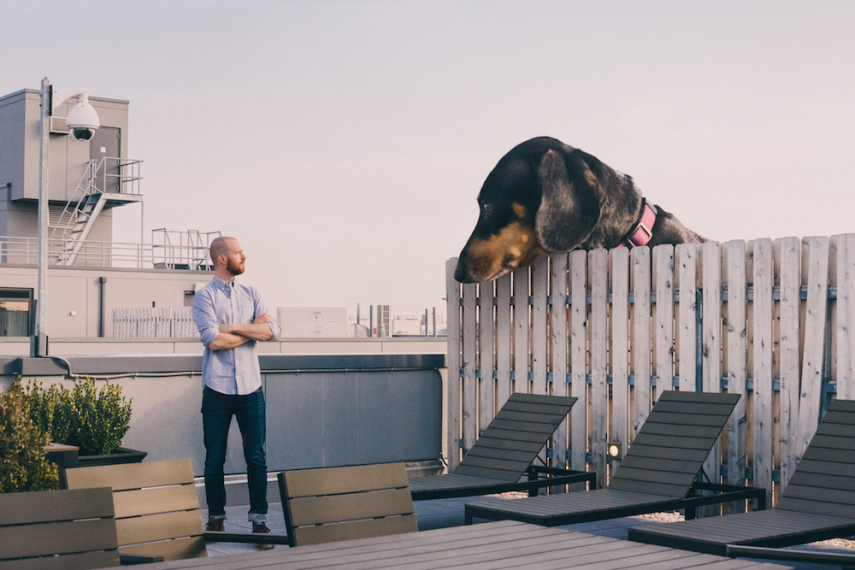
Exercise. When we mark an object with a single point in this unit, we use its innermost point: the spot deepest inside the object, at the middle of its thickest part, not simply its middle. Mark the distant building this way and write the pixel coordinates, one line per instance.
(312, 322)
(89, 274)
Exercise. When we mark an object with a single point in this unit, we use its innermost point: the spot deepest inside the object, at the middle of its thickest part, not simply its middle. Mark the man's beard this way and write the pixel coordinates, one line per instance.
(234, 268)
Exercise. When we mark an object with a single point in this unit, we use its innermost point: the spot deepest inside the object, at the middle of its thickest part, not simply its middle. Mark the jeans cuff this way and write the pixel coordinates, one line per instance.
(218, 517)
(257, 517)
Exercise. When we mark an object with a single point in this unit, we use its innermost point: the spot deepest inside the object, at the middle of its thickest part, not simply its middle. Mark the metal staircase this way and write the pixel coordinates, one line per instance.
(89, 199)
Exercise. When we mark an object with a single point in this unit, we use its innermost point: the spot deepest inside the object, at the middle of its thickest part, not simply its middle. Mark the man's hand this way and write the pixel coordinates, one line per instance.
(262, 319)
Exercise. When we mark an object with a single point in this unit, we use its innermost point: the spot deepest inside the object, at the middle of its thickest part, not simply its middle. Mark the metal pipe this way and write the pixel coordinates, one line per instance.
(102, 325)
(38, 344)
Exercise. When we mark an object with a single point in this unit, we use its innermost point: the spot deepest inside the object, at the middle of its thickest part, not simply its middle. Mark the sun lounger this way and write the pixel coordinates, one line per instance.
(501, 459)
(657, 473)
(62, 530)
(817, 504)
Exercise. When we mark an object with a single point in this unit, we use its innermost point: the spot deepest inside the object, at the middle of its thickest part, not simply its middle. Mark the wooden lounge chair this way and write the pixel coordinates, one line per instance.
(501, 459)
(157, 510)
(817, 504)
(657, 473)
(344, 503)
(65, 530)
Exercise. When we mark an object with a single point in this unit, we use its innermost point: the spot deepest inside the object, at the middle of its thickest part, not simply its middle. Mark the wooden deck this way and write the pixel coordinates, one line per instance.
(504, 544)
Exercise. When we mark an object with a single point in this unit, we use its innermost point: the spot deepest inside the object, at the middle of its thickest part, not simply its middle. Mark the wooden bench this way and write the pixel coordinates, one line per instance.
(157, 510)
(62, 530)
(343, 503)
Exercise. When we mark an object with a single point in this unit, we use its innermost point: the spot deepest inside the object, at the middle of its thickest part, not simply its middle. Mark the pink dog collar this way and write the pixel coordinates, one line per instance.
(642, 232)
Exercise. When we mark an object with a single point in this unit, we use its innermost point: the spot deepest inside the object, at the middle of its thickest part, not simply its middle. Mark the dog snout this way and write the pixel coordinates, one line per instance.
(461, 273)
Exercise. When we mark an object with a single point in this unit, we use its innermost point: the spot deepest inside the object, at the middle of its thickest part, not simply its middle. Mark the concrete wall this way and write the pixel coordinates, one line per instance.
(322, 411)
(78, 290)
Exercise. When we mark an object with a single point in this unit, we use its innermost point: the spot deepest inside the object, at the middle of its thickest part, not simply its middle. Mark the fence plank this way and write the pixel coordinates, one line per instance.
(470, 414)
(736, 331)
(844, 334)
(452, 392)
(763, 416)
(788, 269)
(686, 254)
(598, 276)
(503, 340)
(486, 328)
(522, 327)
(579, 358)
(540, 291)
(815, 261)
(619, 269)
(711, 339)
(558, 321)
(640, 262)
(663, 262)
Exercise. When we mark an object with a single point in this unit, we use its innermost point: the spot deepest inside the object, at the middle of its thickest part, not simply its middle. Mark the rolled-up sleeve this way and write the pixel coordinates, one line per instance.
(261, 307)
(205, 316)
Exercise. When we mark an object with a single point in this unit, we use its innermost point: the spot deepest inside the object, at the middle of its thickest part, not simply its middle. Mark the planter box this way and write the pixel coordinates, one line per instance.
(121, 455)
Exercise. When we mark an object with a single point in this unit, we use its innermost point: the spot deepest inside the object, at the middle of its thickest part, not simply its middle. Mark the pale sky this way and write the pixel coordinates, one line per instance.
(344, 142)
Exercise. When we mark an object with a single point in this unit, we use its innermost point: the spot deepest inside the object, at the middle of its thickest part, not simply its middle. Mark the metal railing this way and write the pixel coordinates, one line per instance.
(25, 251)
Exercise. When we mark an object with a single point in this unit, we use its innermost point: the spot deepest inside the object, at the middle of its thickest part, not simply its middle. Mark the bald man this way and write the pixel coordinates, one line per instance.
(231, 319)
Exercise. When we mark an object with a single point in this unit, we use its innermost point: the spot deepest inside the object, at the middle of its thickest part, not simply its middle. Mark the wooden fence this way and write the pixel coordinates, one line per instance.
(154, 322)
(770, 320)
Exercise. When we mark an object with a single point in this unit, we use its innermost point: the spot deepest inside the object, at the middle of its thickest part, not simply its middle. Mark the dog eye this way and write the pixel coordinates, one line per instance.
(486, 209)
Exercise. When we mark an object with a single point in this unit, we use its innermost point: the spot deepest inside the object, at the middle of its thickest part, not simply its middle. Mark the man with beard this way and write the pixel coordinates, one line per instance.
(231, 319)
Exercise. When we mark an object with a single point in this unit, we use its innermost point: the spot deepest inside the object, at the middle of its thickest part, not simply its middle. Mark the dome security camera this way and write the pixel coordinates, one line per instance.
(82, 119)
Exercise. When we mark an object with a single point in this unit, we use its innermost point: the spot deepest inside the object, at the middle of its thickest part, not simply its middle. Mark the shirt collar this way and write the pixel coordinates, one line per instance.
(222, 285)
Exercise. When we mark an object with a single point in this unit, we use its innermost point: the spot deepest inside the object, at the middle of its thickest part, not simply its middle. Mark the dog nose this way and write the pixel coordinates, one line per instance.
(460, 274)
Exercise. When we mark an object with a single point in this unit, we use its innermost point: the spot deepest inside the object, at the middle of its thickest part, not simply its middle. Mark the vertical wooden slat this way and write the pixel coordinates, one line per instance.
(640, 262)
(522, 326)
(815, 260)
(736, 330)
(686, 255)
(711, 339)
(503, 340)
(452, 389)
(844, 333)
(539, 356)
(763, 413)
(579, 355)
(540, 285)
(486, 328)
(787, 267)
(470, 430)
(663, 263)
(558, 341)
(598, 260)
(619, 269)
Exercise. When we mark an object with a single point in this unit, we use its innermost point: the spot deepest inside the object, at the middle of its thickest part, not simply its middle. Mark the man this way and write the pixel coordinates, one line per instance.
(232, 318)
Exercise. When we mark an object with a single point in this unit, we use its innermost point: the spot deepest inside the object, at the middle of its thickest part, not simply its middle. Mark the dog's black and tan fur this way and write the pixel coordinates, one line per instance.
(546, 197)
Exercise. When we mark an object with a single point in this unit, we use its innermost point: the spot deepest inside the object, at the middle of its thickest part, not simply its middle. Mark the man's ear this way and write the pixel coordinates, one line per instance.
(570, 201)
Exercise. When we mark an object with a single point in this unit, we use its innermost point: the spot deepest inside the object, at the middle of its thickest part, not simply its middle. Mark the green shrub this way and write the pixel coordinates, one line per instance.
(23, 463)
(52, 411)
(104, 417)
(96, 421)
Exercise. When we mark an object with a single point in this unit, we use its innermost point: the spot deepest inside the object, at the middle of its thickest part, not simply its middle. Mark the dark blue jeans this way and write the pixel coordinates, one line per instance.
(217, 412)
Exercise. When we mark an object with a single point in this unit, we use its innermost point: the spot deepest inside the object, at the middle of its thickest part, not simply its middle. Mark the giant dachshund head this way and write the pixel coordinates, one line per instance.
(542, 197)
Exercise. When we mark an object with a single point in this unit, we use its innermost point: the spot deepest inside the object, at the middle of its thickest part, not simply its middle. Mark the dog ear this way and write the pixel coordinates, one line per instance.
(570, 202)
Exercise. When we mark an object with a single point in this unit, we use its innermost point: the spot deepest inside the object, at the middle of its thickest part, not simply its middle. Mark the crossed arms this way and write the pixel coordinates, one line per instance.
(234, 335)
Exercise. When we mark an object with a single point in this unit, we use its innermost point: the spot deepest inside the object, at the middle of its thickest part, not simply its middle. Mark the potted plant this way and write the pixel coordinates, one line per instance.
(23, 464)
(91, 419)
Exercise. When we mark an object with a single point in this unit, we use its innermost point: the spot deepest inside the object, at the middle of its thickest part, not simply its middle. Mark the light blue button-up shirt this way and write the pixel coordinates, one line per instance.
(235, 370)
